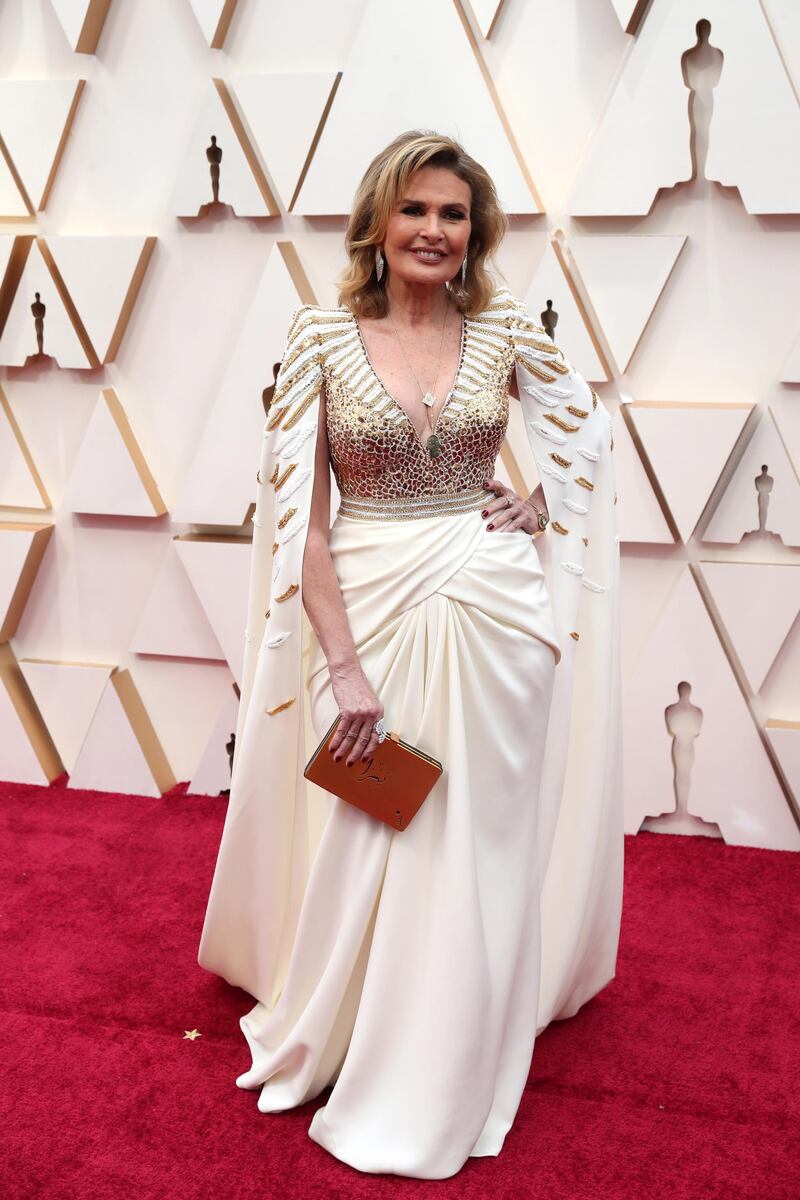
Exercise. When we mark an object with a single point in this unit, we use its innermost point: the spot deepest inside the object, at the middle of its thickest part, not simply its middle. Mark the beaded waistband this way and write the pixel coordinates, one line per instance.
(405, 508)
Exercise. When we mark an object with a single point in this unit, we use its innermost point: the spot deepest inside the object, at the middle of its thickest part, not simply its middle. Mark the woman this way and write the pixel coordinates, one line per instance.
(413, 970)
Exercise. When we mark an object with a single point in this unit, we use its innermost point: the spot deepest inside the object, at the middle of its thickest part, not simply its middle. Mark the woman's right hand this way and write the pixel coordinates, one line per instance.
(360, 708)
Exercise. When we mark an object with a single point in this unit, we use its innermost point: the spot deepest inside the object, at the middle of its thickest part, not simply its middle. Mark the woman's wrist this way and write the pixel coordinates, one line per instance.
(536, 497)
(344, 666)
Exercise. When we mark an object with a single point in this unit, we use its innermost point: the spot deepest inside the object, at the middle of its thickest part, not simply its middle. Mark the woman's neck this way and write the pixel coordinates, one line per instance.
(416, 304)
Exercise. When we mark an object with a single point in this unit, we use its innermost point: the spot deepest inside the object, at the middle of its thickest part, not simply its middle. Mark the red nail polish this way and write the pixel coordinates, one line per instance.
(490, 526)
(485, 513)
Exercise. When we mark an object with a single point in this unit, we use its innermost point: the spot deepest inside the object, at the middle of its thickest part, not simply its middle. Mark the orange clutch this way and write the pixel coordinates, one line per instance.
(391, 785)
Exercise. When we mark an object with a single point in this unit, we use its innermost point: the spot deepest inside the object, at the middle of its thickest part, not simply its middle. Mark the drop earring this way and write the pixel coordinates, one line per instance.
(379, 262)
(464, 271)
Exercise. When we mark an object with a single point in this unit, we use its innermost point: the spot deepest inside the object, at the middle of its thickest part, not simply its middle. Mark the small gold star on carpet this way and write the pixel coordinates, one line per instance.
(191, 1034)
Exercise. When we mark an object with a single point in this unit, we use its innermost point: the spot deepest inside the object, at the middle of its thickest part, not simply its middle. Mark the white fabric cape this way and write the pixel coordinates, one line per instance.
(268, 839)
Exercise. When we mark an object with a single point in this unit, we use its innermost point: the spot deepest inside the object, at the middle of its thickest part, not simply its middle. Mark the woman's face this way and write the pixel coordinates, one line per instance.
(428, 232)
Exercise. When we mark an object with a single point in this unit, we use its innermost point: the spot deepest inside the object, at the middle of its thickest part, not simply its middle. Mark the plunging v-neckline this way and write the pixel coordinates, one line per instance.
(397, 403)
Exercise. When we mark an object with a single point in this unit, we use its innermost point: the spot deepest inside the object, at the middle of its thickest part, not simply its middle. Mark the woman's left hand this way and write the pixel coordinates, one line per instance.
(519, 514)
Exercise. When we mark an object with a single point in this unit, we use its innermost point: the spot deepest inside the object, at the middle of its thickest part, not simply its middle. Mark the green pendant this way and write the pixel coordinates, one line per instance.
(433, 446)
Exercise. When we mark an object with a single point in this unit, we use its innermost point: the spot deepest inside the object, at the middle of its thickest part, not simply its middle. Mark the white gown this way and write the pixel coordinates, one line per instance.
(413, 970)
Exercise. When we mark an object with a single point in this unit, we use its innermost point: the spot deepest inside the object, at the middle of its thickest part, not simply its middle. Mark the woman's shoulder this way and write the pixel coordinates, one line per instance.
(510, 312)
(311, 318)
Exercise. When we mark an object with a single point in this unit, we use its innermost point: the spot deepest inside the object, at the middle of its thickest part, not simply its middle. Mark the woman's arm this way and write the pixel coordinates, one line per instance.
(526, 510)
(322, 598)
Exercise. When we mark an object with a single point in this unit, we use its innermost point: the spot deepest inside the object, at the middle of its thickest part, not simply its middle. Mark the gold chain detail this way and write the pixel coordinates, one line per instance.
(290, 591)
(584, 482)
(576, 412)
(558, 528)
(280, 707)
(562, 462)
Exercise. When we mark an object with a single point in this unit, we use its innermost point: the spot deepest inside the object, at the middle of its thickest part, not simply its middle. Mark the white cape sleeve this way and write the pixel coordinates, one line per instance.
(581, 841)
(262, 864)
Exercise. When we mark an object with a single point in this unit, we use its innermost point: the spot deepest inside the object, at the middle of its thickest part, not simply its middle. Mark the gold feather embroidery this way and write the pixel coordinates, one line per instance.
(281, 479)
(286, 518)
(565, 425)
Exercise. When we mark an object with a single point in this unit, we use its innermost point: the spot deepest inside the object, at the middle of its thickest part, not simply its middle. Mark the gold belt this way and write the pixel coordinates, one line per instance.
(406, 508)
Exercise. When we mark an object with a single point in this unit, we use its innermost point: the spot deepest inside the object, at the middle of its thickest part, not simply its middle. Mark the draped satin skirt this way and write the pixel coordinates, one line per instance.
(413, 983)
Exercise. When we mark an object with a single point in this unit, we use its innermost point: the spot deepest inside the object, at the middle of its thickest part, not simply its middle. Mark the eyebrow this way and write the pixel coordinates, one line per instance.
(448, 204)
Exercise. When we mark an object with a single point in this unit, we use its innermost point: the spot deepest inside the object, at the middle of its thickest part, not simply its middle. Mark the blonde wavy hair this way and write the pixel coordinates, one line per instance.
(383, 183)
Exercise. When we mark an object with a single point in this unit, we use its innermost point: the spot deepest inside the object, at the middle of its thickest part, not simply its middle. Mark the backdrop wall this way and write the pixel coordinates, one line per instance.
(651, 171)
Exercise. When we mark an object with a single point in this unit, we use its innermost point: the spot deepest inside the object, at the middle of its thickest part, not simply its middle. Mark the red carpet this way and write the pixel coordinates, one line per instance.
(678, 1081)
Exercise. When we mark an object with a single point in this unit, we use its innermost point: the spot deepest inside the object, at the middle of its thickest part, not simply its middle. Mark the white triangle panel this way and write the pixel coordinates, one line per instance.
(784, 737)
(238, 186)
(284, 144)
(110, 476)
(571, 333)
(758, 603)
(737, 513)
(12, 204)
(427, 77)
(642, 141)
(221, 484)
(7, 242)
(213, 773)
(67, 696)
(18, 760)
(22, 545)
(639, 515)
(82, 22)
(738, 791)
(791, 368)
(33, 118)
(98, 273)
(624, 277)
(220, 572)
(214, 17)
(688, 445)
(112, 757)
(743, 153)
(486, 13)
(20, 483)
(625, 10)
(786, 415)
(173, 621)
(18, 340)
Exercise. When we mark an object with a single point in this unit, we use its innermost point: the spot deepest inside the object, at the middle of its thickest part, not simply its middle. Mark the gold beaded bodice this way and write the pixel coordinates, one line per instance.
(377, 455)
(376, 451)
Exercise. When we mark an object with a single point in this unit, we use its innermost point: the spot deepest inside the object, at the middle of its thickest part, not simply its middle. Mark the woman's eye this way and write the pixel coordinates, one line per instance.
(413, 209)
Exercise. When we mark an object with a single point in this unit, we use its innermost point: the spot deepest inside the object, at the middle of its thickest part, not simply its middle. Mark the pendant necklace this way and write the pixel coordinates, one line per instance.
(433, 445)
